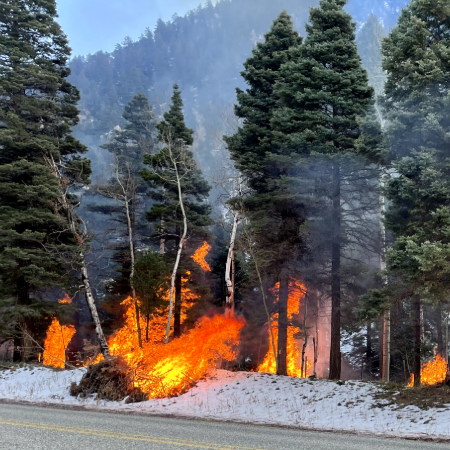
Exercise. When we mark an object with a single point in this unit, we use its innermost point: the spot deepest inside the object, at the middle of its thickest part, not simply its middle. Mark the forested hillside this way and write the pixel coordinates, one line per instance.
(202, 52)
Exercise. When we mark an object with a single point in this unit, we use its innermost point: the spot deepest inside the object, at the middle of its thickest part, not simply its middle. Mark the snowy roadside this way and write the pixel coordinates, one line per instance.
(251, 398)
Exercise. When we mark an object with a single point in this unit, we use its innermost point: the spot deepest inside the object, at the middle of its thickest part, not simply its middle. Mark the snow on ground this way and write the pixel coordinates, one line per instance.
(249, 397)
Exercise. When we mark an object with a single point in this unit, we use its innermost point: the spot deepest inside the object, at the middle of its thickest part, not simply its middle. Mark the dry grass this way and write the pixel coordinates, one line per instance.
(424, 397)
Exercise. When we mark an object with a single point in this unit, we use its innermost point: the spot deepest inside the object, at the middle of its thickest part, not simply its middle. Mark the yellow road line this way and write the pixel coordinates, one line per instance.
(125, 436)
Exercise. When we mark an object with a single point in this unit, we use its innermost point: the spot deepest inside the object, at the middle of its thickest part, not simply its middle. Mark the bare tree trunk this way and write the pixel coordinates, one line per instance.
(93, 309)
(147, 327)
(369, 348)
(386, 321)
(417, 307)
(440, 343)
(446, 338)
(386, 345)
(233, 278)
(305, 343)
(316, 341)
(283, 322)
(335, 347)
(180, 249)
(269, 320)
(68, 209)
(177, 309)
(228, 275)
(133, 261)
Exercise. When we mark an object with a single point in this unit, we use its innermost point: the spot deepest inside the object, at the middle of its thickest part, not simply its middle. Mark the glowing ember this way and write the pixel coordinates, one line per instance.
(66, 300)
(294, 369)
(433, 372)
(200, 255)
(56, 342)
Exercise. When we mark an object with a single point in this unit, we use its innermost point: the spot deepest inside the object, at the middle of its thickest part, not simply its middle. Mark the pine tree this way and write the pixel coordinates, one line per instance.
(274, 210)
(417, 113)
(41, 164)
(179, 191)
(325, 94)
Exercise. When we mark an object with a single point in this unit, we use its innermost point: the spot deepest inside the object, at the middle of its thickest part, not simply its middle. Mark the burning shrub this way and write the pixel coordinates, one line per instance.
(110, 380)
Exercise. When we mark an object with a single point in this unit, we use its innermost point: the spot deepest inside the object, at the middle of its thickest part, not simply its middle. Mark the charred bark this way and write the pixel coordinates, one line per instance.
(440, 341)
(335, 347)
(283, 323)
(417, 316)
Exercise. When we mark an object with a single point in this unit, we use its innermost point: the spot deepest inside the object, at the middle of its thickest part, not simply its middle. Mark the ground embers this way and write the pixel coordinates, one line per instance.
(110, 380)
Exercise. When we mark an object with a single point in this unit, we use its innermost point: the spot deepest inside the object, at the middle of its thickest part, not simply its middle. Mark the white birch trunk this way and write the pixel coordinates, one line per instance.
(180, 249)
(228, 269)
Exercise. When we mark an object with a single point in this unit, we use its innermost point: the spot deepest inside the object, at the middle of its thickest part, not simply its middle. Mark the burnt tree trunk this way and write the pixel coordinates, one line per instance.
(177, 307)
(417, 310)
(283, 323)
(335, 347)
(440, 341)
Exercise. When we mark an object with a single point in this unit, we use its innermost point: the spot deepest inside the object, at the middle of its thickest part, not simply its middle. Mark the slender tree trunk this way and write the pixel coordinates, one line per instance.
(283, 322)
(133, 261)
(305, 343)
(93, 309)
(369, 349)
(68, 209)
(147, 327)
(386, 345)
(440, 343)
(417, 306)
(233, 278)
(269, 319)
(162, 242)
(316, 341)
(228, 269)
(180, 249)
(177, 309)
(335, 347)
(446, 338)
(386, 321)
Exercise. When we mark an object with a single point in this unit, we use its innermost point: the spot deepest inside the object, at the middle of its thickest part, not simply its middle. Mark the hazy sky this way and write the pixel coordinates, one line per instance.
(94, 25)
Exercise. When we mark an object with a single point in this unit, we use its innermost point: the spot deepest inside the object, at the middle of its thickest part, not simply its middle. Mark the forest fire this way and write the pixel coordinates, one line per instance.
(57, 339)
(294, 369)
(200, 255)
(433, 372)
(166, 370)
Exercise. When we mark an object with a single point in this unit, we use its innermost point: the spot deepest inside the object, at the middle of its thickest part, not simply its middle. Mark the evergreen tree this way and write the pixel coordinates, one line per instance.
(168, 211)
(325, 94)
(39, 160)
(417, 113)
(275, 211)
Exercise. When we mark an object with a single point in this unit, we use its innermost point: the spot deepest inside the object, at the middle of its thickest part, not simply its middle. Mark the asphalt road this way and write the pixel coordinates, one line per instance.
(33, 428)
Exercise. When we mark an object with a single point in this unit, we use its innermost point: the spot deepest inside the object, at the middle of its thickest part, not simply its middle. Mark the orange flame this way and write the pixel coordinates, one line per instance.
(200, 255)
(66, 300)
(166, 370)
(433, 372)
(57, 339)
(294, 369)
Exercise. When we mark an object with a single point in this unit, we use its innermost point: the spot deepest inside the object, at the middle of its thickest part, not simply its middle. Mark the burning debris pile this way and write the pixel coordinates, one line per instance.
(157, 370)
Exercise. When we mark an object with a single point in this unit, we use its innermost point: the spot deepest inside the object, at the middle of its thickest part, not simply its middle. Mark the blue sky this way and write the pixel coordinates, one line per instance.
(94, 25)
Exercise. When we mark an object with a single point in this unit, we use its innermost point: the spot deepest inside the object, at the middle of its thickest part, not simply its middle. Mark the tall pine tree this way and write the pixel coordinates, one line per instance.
(324, 92)
(39, 160)
(274, 210)
(418, 124)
